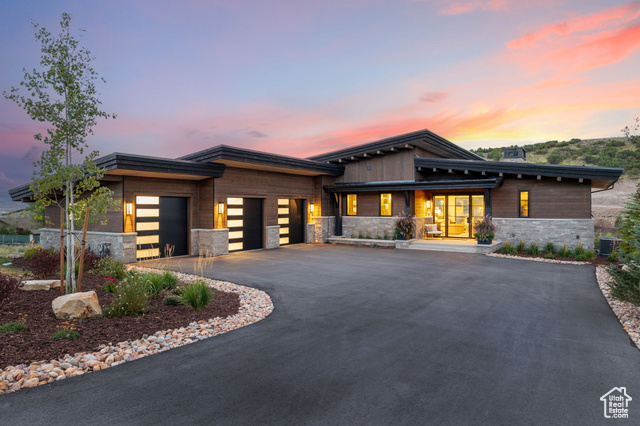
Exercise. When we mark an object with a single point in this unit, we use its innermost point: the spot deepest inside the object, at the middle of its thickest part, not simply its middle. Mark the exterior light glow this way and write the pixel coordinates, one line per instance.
(428, 204)
(311, 207)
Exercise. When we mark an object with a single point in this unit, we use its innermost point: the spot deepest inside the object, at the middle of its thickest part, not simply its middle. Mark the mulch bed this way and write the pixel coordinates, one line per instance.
(33, 308)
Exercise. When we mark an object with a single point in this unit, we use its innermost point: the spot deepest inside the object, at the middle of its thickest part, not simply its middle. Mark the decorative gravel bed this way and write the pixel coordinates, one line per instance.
(628, 314)
(255, 305)
(537, 259)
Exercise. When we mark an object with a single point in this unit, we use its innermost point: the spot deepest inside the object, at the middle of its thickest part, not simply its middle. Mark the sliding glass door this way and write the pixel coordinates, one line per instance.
(456, 214)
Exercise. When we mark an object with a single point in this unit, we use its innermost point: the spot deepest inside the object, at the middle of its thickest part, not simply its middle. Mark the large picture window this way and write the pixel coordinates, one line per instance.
(385, 204)
(352, 204)
(524, 203)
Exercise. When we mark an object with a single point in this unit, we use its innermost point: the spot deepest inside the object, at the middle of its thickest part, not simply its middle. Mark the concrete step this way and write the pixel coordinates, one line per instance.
(456, 247)
(361, 242)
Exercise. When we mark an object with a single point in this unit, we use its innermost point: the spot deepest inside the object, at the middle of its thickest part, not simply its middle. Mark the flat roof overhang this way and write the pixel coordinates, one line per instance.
(600, 177)
(488, 183)
(140, 165)
(119, 164)
(256, 160)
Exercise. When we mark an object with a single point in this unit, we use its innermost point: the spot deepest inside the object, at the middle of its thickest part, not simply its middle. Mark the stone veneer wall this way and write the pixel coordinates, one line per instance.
(376, 226)
(123, 245)
(542, 231)
(273, 236)
(311, 233)
(325, 227)
(209, 242)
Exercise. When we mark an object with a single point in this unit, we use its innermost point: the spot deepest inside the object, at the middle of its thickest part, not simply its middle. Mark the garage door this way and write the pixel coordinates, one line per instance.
(162, 226)
(291, 221)
(244, 220)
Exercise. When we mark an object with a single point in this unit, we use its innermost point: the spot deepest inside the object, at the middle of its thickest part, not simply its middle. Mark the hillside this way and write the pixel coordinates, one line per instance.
(605, 152)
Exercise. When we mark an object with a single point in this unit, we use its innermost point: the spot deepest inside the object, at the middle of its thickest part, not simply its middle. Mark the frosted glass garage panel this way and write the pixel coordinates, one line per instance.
(144, 199)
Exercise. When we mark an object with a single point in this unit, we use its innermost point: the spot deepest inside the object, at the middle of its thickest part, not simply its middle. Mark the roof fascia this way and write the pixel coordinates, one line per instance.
(225, 152)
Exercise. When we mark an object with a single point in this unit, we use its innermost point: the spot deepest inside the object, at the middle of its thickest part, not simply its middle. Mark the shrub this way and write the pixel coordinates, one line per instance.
(520, 247)
(65, 333)
(12, 327)
(625, 285)
(565, 252)
(484, 229)
(580, 257)
(405, 226)
(29, 253)
(131, 298)
(549, 255)
(172, 301)
(579, 251)
(8, 287)
(110, 267)
(197, 295)
(549, 248)
(110, 285)
(156, 282)
(533, 249)
(590, 255)
(43, 262)
(508, 249)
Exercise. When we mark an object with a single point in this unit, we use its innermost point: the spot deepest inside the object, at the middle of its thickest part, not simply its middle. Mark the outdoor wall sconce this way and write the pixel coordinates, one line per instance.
(428, 204)
(220, 208)
(311, 207)
(129, 208)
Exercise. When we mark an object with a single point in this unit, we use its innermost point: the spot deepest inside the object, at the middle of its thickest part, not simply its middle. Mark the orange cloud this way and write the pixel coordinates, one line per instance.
(600, 51)
(615, 16)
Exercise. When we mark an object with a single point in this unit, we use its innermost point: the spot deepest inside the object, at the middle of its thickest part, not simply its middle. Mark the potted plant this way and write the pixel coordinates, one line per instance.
(484, 230)
(405, 226)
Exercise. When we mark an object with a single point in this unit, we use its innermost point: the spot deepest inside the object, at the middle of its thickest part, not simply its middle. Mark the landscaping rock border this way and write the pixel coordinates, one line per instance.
(537, 259)
(628, 314)
(255, 305)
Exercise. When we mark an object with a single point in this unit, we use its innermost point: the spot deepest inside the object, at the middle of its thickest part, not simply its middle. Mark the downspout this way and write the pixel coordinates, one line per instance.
(609, 188)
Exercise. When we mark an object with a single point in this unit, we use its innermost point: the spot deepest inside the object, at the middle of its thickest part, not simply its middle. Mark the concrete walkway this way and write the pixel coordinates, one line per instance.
(376, 337)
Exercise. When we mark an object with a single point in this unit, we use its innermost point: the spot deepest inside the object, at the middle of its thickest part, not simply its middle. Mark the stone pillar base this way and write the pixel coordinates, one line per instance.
(209, 242)
(273, 236)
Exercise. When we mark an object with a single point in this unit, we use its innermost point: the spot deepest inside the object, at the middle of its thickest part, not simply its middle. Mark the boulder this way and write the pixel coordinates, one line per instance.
(76, 305)
(30, 285)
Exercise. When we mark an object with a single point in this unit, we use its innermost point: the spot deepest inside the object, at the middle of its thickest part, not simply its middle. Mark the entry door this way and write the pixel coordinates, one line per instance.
(173, 226)
(244, 220)
(456, 214)
(291, 221)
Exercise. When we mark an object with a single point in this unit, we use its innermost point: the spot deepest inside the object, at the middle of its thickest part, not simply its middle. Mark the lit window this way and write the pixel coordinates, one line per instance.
(385, 204)
(352, 204)
(524, 203)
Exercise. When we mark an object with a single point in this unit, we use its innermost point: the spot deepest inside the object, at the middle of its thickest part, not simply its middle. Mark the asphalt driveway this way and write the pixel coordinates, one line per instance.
(372, 336)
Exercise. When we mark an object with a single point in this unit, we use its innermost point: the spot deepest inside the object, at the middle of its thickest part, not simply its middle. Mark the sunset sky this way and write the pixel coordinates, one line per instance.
(301, 77)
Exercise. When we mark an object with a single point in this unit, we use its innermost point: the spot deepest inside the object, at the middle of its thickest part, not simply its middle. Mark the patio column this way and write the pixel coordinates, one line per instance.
(487, 202)
(337, 206)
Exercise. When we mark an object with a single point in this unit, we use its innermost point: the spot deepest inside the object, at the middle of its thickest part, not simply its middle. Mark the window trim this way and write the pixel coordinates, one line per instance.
(390, 204)
(348, 207)
(520, 192)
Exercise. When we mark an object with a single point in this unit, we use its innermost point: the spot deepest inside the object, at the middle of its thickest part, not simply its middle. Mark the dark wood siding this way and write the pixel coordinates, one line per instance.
(391, 166)
(548, 198)
(247, 183)
(369, 203)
